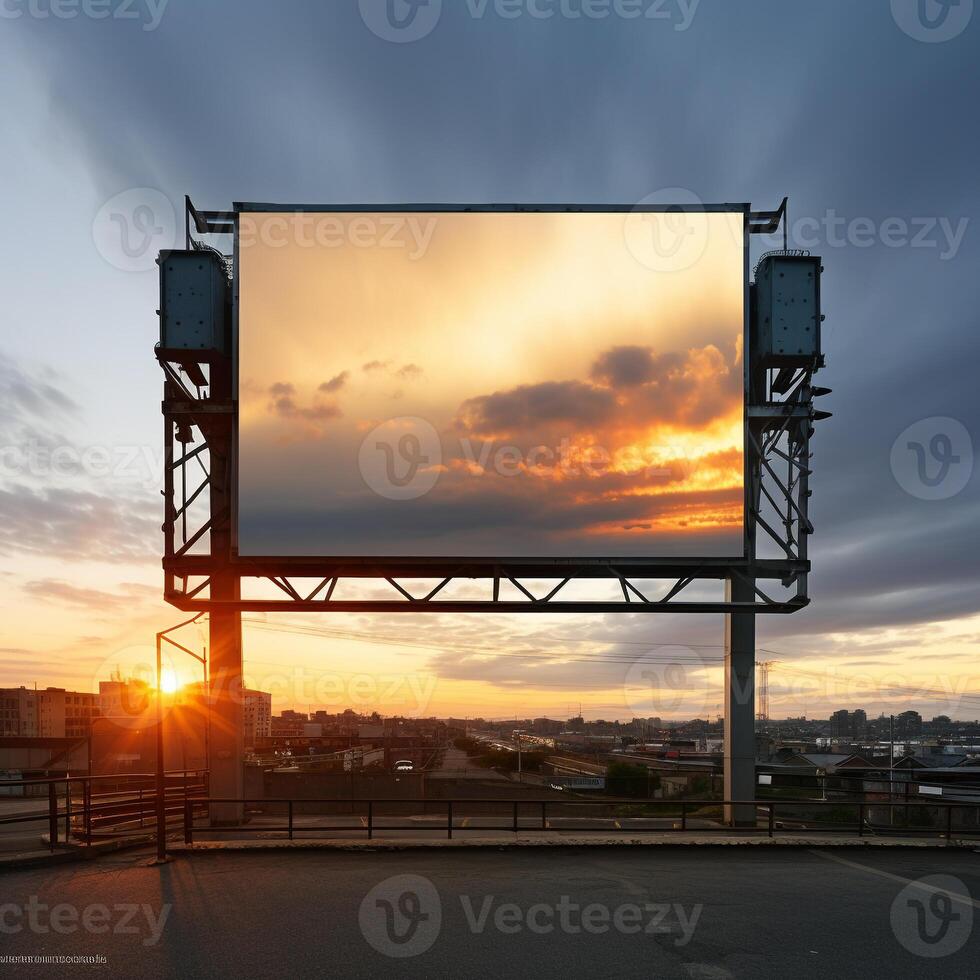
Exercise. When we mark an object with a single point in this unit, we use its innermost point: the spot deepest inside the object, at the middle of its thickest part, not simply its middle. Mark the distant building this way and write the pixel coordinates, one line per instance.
(546, 726)
(908, 723)
(289, 723)
(18, 712)
(849, 724)
(125, 700)
(257, 713)
(49, 713)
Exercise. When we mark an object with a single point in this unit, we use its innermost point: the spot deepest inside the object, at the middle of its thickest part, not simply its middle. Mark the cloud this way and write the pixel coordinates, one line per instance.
(35, 411)
(335, 383)
(284, 405)
(373, 366)
(624, 367)
(410, 372)
(65, 594)
(77, 525)
(575, 403)
(26, 394)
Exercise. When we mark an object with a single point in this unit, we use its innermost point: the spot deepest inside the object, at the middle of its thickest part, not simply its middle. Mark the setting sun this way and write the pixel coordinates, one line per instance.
(168, 682)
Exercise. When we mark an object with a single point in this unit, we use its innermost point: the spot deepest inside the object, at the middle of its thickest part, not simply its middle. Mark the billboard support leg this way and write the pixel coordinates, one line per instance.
(739, 706)
(227, 737)
(226, 742)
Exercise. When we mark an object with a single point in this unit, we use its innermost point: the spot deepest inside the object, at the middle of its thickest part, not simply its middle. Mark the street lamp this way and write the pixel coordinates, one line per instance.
(161, 778)
(517, 737)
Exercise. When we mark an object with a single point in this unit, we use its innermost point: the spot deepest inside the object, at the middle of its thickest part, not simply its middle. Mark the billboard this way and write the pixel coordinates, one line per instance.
(490, 383)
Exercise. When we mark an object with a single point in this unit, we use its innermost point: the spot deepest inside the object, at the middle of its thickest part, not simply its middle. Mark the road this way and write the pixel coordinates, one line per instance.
(689, 913)
(22, 836)
(456, 764)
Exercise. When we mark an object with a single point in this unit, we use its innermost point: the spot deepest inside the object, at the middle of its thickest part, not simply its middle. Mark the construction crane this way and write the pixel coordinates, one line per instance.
(764, 667)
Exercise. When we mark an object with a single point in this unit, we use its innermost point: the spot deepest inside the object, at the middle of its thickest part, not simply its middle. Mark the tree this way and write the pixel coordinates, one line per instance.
(627, 779)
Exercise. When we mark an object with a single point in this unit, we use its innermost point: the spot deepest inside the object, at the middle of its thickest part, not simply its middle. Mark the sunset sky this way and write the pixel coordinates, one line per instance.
(568, 397)
(492, 110)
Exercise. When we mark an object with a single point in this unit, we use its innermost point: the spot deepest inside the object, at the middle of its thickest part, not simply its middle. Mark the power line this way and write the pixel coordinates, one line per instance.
(478, 650)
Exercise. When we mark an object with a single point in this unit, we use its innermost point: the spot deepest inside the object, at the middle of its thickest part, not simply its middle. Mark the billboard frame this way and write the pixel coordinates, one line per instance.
(775, 406)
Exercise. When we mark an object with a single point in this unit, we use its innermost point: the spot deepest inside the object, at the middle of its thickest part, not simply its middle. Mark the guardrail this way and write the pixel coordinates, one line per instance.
(533, 816)
(125, 807)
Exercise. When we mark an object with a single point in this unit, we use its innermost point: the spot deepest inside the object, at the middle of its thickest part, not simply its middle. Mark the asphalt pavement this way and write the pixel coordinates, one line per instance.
(562, 912)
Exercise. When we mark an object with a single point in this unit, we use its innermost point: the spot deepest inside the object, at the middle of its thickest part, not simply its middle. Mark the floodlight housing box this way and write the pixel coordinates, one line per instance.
(194, 296)
(786, 320)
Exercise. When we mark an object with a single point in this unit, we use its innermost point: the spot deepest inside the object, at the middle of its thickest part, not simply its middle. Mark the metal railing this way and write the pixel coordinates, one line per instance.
(86, 809)
(536, 815)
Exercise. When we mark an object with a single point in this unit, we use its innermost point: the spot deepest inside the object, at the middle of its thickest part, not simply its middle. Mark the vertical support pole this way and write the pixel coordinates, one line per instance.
(370, 826)
(227, 737)
(449, 819)
(739, 707)
(67, 810)
(52, 816)
(161, 778)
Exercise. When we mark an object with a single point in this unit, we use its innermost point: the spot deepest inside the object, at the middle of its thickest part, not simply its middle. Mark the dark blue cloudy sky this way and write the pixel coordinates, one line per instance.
(863, 113)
